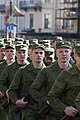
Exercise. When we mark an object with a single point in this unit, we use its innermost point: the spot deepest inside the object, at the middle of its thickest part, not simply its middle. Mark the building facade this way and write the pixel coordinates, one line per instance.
(43, 16)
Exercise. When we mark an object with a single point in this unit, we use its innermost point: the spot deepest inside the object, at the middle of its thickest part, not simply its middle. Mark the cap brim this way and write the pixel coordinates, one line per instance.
(64, 46)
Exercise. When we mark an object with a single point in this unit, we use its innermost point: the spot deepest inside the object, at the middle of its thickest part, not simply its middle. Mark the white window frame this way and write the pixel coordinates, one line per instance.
(47, 12)
(29, 19)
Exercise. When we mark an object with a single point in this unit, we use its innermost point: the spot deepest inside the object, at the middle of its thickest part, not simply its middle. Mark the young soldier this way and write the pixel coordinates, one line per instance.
(46, 77)
(22, 82)
(65, 90)
(9, 72)
(10, 57)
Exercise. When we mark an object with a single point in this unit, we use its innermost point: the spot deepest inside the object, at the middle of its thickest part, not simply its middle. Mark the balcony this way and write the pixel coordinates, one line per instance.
(70, 2)
(28, 5)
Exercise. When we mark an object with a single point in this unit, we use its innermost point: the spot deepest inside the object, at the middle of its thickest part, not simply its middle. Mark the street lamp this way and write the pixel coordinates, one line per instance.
(10, 8)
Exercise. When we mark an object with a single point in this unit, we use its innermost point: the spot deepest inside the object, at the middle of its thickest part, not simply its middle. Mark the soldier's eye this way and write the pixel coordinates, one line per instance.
(39, 53)
(66, 51)
(36, 52)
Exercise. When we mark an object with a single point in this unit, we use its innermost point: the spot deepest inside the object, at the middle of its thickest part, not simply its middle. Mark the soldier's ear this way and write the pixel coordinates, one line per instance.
(56, 53)
(15, 54)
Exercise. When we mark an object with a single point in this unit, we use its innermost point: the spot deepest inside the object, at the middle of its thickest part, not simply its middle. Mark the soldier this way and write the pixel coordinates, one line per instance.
(56, 40)
(10, 57)
(22, 82)
(2, 52)
(65, 90)
(46, 77)
(49, 56)
(18, 41)
(46, 43)
(9, 72)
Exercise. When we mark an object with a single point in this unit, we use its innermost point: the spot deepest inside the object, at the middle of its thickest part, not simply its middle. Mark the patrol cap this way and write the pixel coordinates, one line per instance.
(33, 41)
(21, 47)
(18, 41)
(1, 45)
(49, 51)
(77, 49)
(57, 38)
(7, 41)
(1, 41)
(63, 44)
(26, 42)
(44, 41)
(36, 46)
(9, 46)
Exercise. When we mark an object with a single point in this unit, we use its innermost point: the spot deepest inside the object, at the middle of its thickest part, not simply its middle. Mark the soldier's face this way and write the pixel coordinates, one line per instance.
(63, 54)
(21, 54)
(10, 53)
(37, 55)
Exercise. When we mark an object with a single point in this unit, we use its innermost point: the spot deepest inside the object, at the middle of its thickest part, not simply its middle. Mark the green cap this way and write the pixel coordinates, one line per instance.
(44, 41)
(36, 46)
(21, 47)
(7, 41)
(57, 38)
(77, 48)
(63, 44)
(26, 42)
(18, 41)
(1, 45)
(33, 41)
(9, 46)
(49, 51)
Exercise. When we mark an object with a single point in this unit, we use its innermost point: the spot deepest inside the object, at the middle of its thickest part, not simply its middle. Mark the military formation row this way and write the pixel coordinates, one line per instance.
(31, 89)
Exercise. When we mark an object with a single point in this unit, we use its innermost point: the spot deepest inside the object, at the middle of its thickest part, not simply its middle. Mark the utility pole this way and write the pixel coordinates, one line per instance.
(10, 8)
(11, 27)
(78, 26)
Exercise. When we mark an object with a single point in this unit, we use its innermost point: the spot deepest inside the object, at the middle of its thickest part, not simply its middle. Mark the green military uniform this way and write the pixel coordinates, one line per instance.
(2, 66)
(49, 56)
(64, 92)
(43, 83)
(77, 100)
(45, 79)
(21, 83)
(77, 103)
(6, 79)
(3, 113)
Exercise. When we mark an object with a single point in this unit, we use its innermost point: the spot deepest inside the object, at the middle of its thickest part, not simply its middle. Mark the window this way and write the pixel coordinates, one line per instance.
(47, 1)
(65, 24)
(66, 1)
(31, 21)
(31, 1)
(47, 21)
